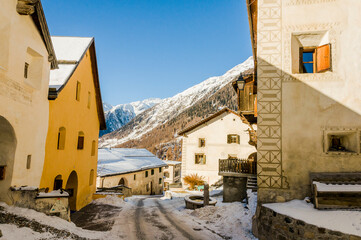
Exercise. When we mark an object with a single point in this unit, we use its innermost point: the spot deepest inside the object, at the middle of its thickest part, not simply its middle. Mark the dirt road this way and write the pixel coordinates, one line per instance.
(145, 219)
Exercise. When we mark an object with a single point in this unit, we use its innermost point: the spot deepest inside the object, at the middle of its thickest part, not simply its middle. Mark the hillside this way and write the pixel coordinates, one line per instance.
(156, 128)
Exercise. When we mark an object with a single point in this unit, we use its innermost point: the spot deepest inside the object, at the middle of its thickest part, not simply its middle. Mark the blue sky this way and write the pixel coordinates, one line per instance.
(155, 48)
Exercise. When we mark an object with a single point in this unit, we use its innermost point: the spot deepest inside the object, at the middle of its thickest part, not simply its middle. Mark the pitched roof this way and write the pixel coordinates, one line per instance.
(170, 162)
(190, 128)
(70, 51)
(117, 161)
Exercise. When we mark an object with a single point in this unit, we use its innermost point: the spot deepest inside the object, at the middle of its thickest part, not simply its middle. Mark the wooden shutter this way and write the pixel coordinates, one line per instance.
(229, 140)
(323, 58)
(204, 159)
(238, 140)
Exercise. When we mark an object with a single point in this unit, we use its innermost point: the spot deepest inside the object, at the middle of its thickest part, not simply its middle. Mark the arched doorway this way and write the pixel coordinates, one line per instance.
(7, 153)
(123, 182)
(72, 189)
(252, 160)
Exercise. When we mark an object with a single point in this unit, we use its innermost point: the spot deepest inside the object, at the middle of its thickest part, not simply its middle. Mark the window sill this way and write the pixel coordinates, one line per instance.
(335, 153)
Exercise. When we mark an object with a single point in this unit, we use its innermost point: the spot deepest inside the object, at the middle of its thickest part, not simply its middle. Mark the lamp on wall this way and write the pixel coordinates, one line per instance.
(241, 82)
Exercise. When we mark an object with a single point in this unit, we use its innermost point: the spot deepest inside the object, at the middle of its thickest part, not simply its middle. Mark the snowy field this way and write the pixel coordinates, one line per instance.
(149, 217)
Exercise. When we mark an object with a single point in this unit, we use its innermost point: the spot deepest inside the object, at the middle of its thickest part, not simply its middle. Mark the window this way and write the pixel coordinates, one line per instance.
(61, 138)
(33, 68)
(28, 162)
(2, 172)
(26, 70)
(146, 173)
(160, 180)
(200, 158)
(201, 142)
(176, 173)
(160, 169)
(135, 176)
(315, 59)
(233, 138)
(166, 174)
(89, 100)
(78, 86)
(341, 141)
(80, 141)
(91, 177)
(152, 172)
(58, 182)
(93, 148)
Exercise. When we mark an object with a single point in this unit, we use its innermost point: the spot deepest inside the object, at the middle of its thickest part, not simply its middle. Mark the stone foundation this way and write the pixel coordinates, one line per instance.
(270, 225)
(28, 199)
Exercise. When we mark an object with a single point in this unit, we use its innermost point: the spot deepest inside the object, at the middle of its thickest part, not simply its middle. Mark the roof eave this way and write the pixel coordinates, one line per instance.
(35, 9)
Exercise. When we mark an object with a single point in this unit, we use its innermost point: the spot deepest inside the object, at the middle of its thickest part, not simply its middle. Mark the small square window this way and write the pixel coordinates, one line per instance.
(160, 180)
(80, 142)
(233, 138)
(200, 158)
(135, 176)
(201, 142)
(308, 56)
(146, 173)
(152, 172)
(160, 169)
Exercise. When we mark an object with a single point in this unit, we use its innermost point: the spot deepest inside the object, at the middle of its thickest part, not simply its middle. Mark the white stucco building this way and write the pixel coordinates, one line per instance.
(137, 169)
(172, 173)
(26, 57)
(222, 135)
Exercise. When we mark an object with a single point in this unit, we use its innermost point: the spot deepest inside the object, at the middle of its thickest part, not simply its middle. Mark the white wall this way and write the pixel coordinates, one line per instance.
(23, 105)
(215, 133)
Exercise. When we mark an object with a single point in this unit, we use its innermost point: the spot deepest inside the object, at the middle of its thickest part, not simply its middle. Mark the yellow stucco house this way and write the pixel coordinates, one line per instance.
(26, 57)
(75, 118)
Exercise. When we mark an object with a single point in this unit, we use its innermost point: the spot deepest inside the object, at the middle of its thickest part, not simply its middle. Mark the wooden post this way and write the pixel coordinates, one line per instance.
(206, 195)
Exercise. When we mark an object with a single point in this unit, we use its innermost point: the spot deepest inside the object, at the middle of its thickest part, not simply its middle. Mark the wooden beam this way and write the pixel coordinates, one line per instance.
(26, 7)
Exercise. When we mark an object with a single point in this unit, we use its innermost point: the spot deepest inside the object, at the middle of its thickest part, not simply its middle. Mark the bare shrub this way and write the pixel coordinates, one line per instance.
(192, 180)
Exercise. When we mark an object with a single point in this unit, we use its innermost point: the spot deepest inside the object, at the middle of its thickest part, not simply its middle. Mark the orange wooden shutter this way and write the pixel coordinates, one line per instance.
(323, 58)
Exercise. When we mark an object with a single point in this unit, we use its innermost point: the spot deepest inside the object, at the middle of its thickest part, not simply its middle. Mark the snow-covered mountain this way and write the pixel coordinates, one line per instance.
(169, 108)
(119, 115)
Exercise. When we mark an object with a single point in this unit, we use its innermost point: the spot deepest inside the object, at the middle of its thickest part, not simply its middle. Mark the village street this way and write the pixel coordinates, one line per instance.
(150, 217)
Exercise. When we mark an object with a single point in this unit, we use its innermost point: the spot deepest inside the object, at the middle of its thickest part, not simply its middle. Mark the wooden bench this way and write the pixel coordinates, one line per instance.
(336, 190)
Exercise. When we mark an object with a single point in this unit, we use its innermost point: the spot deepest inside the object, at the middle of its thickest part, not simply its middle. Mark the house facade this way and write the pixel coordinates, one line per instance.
(26, 58)
(172, 173)
(223, 135)
(308, 92)
(137, 169)
(75, 118)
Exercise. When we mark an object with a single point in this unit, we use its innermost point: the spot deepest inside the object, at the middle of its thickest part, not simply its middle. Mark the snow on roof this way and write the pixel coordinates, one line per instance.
(322, 187)
(169, 162)
(123, 160)
(70, 49)
(337, 220)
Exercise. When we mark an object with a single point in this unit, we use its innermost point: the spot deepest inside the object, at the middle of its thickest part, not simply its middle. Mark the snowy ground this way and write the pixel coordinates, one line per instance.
(149, 217)
(344, 221)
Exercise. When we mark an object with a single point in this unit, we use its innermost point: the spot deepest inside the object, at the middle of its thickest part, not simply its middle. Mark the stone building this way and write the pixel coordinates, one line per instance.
(27, 55)
(137, 169)
(75, 118)
(307, 57)
(223, 135)
(172, 173)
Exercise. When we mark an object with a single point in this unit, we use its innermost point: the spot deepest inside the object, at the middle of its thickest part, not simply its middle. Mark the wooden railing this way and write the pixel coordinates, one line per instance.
(237, 166)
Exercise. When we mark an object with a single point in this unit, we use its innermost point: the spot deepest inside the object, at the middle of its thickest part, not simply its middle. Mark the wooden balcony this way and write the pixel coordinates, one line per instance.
(237, 167)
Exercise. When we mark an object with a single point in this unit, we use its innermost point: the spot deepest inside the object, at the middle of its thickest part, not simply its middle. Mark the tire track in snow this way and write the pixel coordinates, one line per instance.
(177, 226)
(138, 225)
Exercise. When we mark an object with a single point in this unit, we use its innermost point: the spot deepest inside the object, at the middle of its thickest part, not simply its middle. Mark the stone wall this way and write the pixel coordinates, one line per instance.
(274, 226)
